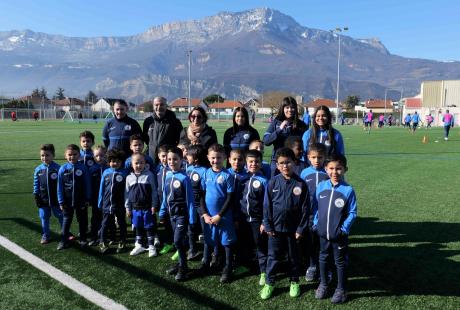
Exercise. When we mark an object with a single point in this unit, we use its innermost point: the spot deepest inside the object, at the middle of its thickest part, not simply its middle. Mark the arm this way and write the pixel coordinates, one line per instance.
(255, 134)
(105, 135)
(179, 129)
(164, 207)
(60, 187)
(352, 213)
(155, 199)
(226, 141)
(268, 209)
(87, 184)
(305, 142)
(145, 129)
(340, 146)
(305, 209)
(101, 191)
(189, 199)
(271, 134)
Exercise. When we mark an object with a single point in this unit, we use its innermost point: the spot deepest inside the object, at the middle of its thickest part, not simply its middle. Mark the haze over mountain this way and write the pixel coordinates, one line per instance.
(235, 54)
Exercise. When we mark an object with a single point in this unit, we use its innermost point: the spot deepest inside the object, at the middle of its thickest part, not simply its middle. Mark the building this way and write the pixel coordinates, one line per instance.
(69, 104)
(104, 105)
(379, 105)
(181, 104)
(224, 108)
(440, 94)
(312, 105)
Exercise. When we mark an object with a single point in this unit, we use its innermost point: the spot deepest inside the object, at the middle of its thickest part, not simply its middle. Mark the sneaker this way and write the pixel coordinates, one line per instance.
(446, 138)
(173, 269)
(71, 237)
(226, 275)
(181, 274)
(214, 261)
(339, 297)
(133, 228)
(62, 246)
(294, 290)
(166, 248)
(45, 241)
(193, 255)
(153, 251)
(262, 279)
(111, 242)
(321, 292)
(92, 243)
(201, 239)
(121, 247)
(175, 256)
(103, 247)
(83, 243)
(156, 242)
(138, 249)
(310, 275)
(266, 291)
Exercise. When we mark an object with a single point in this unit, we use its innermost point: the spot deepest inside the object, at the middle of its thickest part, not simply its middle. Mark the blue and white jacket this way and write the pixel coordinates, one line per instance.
(196, 174)
(177, 196)
(149, 164)
(276, 136)
(74, 185)
(323, 138)
(116, 133)
(95, 173)
(313, 177)
(336, 209)
(239, 140)
(87, 158)
(45, 185)
(252, 198)
(141, 191)
(112, 190)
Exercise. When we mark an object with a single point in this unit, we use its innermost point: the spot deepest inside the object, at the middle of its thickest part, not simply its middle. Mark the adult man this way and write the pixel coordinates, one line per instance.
(161, 128)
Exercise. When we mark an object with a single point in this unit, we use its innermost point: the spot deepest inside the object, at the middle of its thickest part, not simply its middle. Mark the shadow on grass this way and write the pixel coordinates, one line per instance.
(403, 258)
(143, 274)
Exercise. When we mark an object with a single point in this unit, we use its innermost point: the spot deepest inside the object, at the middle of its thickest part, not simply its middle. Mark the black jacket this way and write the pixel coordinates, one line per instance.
(207, 137)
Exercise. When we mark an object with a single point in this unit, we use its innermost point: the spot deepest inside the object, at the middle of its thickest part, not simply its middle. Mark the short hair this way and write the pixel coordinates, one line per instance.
(87, 134)
(163, 148)
(285, 152)
(317, 147)
(237, 151)
(257, 141)
(137, 155)
(48, 148)
(120, 101)
(292, 140)
(197, 152)
(338, 158)
(135, 137)
(162, 100)
(177, 151)
(115, 154)
(100, 147)
(254, 153)
(218, 148)
(72, 147)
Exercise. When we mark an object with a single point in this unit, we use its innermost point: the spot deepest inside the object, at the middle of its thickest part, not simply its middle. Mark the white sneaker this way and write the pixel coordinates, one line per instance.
(133, 228)
(156, 242)
(446, 138)
(138, 249)
(152, 251)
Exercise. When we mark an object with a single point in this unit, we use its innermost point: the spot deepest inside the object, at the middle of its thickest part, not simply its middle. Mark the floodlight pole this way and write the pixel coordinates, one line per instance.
(338, 30)
(189, 54)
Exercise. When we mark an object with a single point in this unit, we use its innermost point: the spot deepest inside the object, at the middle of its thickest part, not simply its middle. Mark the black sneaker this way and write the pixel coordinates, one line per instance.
(92, 242)
(339, 297)
(321, 292)
(83, 243)
(62, 246)
(311, 274)
(121, 247)
(226, 275)
(173, 270)
(181, 274)
(204, 269)
(193, 255)
(214, 261)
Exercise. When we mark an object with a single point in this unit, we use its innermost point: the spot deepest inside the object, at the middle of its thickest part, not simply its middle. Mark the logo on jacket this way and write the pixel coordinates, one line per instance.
(119, 178)
(53, 176)
(127, 127)
(90, 162)
(256, 184)
(297, 190)
(78, 172)
(176, 184)
(327, 143)
(195, 177)
(220, 179)
(246, 136)
(339, 203)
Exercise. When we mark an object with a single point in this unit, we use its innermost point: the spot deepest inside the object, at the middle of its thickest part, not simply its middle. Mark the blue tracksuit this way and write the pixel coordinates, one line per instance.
(45, 192)
(336, 212)
(415, 118)
(238, 177)
(239, 140)
(323, 138)
(116, 133)
(87, 158)
(178, 204)
(286, 206)
(266, 170)
(196, 174)
(95, 173)
(149, 164)
(161, 172)
(299, 166)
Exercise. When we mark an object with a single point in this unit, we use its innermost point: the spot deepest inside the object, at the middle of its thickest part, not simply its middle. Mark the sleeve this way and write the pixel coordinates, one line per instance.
(60, 186)
(227, 140)
(227, 204)
(314, 208)
(127, 204)
(163, 208)
(268, 209)
(87, 184)
(305, 209)
(255, 134)
(101, 191)
(183, 139)
(105, 134)
(153, 183)
(137, 128)
(352, 213)
(189, 194)
(36, 182)
(340, 146)
(145, 129)
(305, 138)
(271, 134)
(303, 174)
(179, 129)
(128, 163)
(213, 138)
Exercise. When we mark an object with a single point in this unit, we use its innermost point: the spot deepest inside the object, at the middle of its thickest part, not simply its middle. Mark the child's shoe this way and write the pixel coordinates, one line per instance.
(266, 291)
(62, 246)
(71, 237)
(310, 275)
(339, 297)
(138, 249)
(294, 290)
(103, 247)
(121, 247)
(262, 279)
(181, 274)
(193, 255)
(45, 241)
(156, 242)
(152, 251)
(173, 269)
(226, 275)
(321, 292)
(166, 248)
(175, 256)
(201, 239)
(83, 243)
(92, 243)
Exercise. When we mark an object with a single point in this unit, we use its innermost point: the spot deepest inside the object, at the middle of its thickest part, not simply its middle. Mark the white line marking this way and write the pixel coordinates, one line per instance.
(75, 285)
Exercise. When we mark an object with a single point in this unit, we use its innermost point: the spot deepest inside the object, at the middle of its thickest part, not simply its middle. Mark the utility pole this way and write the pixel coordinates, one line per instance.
(189, 54)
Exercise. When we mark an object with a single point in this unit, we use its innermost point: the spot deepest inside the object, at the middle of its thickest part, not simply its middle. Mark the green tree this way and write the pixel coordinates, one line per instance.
(208, 100)
(36, 92)
(59, 94)
(350, 102)
(148, 106)
(43, 93)
(272, 99)
(91, 97)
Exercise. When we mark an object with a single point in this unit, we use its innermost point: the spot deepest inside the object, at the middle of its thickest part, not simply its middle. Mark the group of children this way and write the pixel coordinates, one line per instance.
(300, 212)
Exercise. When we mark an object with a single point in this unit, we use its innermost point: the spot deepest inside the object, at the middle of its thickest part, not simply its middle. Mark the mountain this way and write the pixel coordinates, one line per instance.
(235, 54)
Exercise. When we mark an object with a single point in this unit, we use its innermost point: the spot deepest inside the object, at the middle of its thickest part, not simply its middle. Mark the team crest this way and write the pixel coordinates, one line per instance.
(176, 184)
(195, 177)
(297, 191)
(327, 143)
(246, 136)
(90, 162)
(220, 179)
(339, 203)
(119, 178)
(256, 184)
(78, 172)
(128, 127)
(53, 176)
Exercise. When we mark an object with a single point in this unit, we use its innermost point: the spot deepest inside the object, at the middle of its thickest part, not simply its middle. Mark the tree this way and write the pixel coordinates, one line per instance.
(351, 102)
(148, 106)
(59, 94)
(36, 92)
(213, 99)
(272, 99)
(91, 97)
(43, 93)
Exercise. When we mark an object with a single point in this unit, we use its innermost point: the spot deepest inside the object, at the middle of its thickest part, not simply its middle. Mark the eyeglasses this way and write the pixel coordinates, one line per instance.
(196, 116)
(284, 163)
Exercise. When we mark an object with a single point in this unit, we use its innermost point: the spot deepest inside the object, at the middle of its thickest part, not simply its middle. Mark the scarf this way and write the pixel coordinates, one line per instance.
(194, 132)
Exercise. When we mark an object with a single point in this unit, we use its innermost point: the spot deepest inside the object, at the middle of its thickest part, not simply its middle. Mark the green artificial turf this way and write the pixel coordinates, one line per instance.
(405, 245)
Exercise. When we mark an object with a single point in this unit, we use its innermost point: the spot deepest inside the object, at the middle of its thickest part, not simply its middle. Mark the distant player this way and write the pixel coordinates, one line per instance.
(448, 120)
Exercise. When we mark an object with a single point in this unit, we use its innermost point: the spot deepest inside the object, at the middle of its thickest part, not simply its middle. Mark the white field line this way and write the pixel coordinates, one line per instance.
(75, 285)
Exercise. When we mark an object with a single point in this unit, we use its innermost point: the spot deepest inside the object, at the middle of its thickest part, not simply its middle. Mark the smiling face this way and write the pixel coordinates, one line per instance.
(321, 118)
(99, 156)
(240, 119)
(86, 143)
(284, 165)
(174, 161)
(162, 156)
(216, 159)
(119, 110)
(46, 157)
(159, 107)
(289, 111)
(335, 170)
(253, 164)
(72, 156)
(196, 118)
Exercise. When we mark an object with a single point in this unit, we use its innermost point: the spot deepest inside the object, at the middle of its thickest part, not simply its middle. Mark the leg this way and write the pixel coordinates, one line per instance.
(293, 254)
(106, 219)
(57, 213)
(96, 219)
(45, 214)
(275, 250)
(179, 225)
(340, 250)
(261, 242)
(121, 220)
(323, 260)
(67, 216)
(82, 218)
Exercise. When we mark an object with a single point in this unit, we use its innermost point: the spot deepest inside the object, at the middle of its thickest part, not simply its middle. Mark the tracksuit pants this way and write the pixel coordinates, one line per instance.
(277, 246)
(179, 226)
(108, 221)
(45, 214)
(67, 217)
(339, 250)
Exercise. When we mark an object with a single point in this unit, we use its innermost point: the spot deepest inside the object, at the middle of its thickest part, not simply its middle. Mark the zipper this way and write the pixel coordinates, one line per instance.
(317, 178)
(247, 198)
(329, 213)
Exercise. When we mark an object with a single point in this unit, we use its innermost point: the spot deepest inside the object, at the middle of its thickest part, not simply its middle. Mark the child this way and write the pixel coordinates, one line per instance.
(259, 146)
(197, 162)
(74, 194)
(184, 163)
(336, 212)
(313, 175)
(178, 204)
(86, 152)
(136, 145)
(112, 198)
(217, 211)
(45, 190)
(415, 120)
(95, 172)
(236, 161)
(295, 144)
(251, 204)
(286, 206)
(140, 203)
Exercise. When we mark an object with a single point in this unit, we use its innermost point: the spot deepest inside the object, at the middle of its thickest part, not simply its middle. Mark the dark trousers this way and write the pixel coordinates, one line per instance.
(339, 250)
(179, 226)
(446, 131)
(67, 217)
(193, 232)
(277, 246)
(108, 222)
(140, 234)
(312, 247)
(96, 220)
(259, 242)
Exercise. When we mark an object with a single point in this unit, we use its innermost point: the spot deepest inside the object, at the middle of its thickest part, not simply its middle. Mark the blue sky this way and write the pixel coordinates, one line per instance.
(411, 28)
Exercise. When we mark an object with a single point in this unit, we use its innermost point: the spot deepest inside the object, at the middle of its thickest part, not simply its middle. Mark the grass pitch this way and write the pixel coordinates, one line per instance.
(404, 253)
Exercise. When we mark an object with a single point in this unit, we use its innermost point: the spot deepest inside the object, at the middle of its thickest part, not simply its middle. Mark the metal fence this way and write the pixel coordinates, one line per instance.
(27, 114)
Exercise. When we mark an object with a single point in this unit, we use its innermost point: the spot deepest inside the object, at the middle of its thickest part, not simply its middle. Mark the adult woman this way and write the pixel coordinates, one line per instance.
(285, 124)
(198, 132)
(241, 134)
(322, 132)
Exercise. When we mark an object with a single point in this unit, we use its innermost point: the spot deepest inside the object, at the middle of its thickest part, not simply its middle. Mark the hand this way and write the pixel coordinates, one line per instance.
(62, 207)
(154, 210)
(262, 228)
(284, 124)
(162, 221)
(298, 236)
(216, 219)
(207, 219)
(271, 233)
(128, 213)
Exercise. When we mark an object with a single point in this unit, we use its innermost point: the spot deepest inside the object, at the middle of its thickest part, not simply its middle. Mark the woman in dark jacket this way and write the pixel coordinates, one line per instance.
(285, 124)
(241, 134)
(198, 132)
